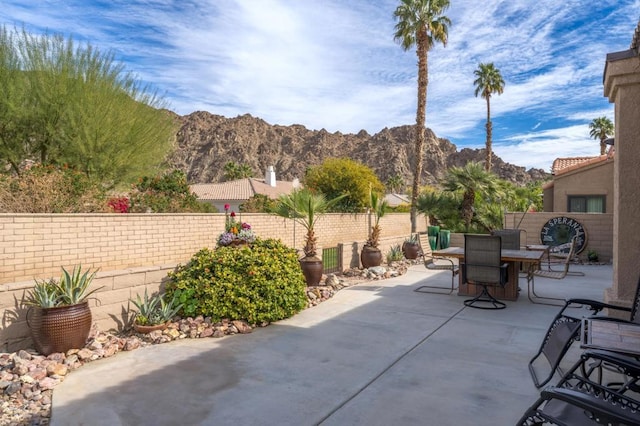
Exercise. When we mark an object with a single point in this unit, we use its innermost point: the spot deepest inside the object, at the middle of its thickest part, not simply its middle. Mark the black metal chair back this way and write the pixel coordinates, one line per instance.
(510, 238)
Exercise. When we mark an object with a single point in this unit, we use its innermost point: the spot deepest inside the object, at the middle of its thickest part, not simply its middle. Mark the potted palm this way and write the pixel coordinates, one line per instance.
(154, 312)
(306, 207)
(59, 317)
(371, 254)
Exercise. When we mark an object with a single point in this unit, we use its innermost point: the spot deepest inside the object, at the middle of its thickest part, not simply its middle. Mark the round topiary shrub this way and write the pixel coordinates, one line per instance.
(258, 283)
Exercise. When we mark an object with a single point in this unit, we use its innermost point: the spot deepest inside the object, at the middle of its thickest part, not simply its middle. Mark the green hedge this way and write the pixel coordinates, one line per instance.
(260, 283)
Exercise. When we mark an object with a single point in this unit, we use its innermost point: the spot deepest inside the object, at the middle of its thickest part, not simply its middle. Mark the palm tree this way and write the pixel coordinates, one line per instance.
(601, 128)
(234, 171)
(379, 208)
(421, 23)
(395, 184)
(305, 207)
(488, 81)
(471, 179)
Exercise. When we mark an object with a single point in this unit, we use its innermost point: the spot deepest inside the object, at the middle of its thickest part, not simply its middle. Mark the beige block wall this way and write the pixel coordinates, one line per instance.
(135, 252)
(599, 229)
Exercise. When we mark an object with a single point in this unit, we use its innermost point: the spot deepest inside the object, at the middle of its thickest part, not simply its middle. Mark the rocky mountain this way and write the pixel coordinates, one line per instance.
(206, 142)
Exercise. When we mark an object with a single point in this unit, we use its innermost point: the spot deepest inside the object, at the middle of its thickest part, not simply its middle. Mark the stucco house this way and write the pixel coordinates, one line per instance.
(580, 185)
(238, 191)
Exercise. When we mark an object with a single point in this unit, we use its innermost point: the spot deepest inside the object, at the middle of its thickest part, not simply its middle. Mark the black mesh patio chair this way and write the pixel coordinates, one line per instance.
(565, 329)
(483, 266)
(435, 263)
(510, 238)
(579, 400)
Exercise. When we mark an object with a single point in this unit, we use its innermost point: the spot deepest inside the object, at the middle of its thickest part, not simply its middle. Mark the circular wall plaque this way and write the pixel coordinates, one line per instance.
(558, 232)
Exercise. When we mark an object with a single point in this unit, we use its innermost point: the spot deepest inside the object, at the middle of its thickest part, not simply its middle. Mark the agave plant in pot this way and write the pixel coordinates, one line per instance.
(154, 312)
(306, 207)
(59, 316)
(411, 247)
(371, 254)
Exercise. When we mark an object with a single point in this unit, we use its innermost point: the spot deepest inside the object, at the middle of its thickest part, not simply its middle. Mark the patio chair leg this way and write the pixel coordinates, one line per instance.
(485, 297)
(435, 287)
(532, 291)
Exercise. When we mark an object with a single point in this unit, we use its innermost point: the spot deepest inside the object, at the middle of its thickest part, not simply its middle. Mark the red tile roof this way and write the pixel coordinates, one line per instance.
(563, 163)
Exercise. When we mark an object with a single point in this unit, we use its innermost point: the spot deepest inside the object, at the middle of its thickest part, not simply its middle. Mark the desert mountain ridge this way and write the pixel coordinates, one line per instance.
(205, 142)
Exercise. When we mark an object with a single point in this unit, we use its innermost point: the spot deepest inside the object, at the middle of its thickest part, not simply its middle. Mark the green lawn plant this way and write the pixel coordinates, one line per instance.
(260, 284)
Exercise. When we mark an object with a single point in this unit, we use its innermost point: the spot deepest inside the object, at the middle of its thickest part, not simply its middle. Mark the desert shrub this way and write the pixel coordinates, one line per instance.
(340, 176)
(259, 203)
(258, 283)
(51, 189)
(166, 193)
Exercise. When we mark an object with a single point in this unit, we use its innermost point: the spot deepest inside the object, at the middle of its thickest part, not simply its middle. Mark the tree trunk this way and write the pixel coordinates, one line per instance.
(603, 147)
(423, 80)
(488, 144)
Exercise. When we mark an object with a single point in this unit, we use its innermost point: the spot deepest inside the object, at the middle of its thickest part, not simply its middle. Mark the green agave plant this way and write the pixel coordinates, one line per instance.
(394, 254)
(154, 310)
(71, 289)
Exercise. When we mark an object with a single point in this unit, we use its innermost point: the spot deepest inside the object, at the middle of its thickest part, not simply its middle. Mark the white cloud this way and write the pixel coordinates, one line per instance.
(334, 64)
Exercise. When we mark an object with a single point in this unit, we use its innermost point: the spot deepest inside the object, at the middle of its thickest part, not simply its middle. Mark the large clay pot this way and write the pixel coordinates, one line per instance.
(312, 270)
(145, 329)
(370, 256)
(61, 328)
(410, 250)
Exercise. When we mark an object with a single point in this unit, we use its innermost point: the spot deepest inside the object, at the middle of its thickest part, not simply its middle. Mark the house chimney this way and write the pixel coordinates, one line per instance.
(270, 177)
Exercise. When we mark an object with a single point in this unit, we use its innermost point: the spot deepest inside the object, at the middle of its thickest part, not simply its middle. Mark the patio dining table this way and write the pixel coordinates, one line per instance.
(529, 258)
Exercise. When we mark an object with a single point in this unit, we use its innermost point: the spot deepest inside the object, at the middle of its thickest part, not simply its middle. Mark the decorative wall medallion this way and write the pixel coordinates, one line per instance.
(558, 232)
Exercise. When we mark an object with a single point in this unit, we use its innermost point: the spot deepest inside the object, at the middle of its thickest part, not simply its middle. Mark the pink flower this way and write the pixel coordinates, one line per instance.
(226, 207)
(246, 225)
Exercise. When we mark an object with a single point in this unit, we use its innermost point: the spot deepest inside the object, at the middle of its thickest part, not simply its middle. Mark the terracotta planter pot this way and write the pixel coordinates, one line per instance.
(312, 270)
(370, 256)
(144, 329)
(61, 328)
(410, 250)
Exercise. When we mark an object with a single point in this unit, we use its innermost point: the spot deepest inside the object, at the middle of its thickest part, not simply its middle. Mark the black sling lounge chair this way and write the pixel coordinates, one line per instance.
(580, 400)
(565, 329)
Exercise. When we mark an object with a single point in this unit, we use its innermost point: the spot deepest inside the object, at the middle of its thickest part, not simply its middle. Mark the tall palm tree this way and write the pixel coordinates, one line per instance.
(601, 128)
(488, 81)
(421, 24)
(471, 179)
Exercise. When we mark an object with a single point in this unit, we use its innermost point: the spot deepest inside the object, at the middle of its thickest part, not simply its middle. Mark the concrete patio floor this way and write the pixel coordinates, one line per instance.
(377, 353)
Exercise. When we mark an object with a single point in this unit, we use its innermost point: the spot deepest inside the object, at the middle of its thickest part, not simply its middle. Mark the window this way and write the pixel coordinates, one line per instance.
(587, 203)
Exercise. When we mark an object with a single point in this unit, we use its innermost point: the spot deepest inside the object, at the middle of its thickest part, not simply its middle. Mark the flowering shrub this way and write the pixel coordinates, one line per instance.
(260, 284)
(119, 204)
(235, 230)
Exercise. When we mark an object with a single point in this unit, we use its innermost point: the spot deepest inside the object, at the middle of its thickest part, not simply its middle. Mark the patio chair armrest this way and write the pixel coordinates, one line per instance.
(602, 409)
(628, 362)
(443, 258)
(594, 305)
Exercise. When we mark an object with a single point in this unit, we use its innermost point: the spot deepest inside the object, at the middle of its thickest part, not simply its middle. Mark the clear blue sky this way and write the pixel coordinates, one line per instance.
(333, 64)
